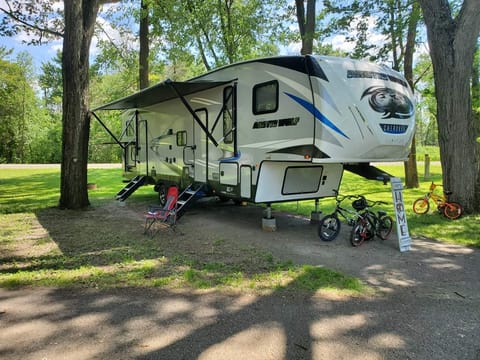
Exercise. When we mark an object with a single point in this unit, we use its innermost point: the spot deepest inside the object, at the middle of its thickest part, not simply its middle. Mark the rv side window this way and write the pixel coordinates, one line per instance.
(227, 115)
(181, 138)
(265, 97)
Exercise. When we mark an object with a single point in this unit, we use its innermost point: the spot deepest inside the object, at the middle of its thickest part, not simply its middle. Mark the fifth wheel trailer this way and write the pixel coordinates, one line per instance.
(267, 130)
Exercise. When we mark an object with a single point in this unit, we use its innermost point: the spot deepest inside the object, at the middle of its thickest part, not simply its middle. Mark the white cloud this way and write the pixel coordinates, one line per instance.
(339, 42)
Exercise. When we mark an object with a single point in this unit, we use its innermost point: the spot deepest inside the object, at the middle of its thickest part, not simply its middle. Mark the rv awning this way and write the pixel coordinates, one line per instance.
(161, 92)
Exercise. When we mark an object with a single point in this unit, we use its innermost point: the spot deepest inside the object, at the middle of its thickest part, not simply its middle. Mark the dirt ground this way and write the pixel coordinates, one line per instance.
(427, 305)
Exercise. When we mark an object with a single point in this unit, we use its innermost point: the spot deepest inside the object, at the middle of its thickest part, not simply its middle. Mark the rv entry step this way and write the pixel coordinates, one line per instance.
(188, 196)
(130, 188)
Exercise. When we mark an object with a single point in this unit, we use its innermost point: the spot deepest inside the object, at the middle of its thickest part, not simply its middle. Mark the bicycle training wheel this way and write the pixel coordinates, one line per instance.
(421, 206)
(359, 233)
(452, 210)
(385, 226)
(329, 228)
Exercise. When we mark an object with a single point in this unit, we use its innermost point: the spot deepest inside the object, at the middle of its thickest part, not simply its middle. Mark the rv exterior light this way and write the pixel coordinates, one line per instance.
(307, 156)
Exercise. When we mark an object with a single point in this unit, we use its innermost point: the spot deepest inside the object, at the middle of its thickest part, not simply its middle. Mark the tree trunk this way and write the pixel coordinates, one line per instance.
(306, 24)
(411, 172)
(80, 19)
(144, 47)
(452, 44)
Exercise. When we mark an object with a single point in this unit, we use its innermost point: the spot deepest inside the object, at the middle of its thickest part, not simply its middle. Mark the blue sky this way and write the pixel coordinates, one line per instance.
(40, 54)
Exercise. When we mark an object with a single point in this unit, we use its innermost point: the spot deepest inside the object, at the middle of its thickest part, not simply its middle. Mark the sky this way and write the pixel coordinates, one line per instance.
(40, 54)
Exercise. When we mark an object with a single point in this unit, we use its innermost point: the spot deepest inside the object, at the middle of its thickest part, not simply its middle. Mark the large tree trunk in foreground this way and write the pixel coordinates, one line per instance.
(80, 19)
(452, 45)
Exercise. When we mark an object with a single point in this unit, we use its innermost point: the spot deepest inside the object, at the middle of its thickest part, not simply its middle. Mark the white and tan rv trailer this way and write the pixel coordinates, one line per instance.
(268, 130)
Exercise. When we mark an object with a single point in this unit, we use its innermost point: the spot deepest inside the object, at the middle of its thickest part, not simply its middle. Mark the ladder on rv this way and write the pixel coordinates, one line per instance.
(130, 188)
(187, 196)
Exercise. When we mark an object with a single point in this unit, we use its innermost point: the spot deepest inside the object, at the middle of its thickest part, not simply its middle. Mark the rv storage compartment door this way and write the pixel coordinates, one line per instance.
(228, 173)
(287, 181)
(302, 179)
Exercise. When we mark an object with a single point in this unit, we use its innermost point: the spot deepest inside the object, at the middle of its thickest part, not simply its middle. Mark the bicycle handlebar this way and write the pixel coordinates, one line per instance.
(339, 198)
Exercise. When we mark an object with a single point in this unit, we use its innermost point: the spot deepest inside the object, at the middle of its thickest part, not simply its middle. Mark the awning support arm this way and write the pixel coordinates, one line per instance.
(108, 130)
(195, 116)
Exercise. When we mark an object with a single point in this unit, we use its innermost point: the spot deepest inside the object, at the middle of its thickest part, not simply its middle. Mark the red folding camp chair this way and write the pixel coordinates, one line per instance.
(166, 215)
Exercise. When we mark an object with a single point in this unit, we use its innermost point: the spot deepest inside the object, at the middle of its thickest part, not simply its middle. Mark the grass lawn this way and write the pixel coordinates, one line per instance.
(44, 246)
(34, 254)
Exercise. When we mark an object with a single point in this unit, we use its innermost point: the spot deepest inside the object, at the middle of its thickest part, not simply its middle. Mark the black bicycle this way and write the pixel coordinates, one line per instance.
(329, 226)
(370, 223)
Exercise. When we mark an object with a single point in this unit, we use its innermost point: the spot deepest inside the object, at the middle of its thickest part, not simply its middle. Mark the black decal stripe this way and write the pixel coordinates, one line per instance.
(307, 65)
(302, 150)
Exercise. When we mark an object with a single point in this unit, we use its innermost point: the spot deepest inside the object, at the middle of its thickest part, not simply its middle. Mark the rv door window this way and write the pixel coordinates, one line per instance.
(227, 115)
(265, 98)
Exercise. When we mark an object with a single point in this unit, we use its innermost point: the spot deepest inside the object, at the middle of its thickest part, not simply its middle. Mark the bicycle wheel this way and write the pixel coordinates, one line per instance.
(452, 210)
(359, 233)
(385, 226)
(329, 227)
(421, 206)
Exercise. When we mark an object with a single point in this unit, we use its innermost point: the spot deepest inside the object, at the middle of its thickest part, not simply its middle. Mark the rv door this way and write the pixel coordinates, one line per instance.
(199, 147)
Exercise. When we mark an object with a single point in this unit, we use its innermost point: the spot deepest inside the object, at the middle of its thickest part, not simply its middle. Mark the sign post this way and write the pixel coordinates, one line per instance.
(404, 240)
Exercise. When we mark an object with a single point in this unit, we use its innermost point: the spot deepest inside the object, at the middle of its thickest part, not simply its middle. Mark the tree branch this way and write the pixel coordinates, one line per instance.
(26, 24)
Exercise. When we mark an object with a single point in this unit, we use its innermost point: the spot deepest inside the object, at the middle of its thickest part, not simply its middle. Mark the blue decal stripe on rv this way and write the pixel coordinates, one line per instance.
(315, 112)
(234, 158)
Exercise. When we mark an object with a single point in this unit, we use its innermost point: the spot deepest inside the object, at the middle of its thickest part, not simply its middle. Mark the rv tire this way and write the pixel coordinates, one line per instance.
(162, 193)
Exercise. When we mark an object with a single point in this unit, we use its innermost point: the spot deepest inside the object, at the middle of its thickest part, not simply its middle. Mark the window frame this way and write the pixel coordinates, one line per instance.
(254, 97)
(181, 137)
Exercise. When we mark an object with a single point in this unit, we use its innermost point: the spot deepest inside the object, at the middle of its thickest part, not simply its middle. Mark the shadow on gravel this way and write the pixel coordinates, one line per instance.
(154, 324)
(427, 306)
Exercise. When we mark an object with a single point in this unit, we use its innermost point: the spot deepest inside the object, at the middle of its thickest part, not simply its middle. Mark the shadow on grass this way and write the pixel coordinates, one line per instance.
(104, 246)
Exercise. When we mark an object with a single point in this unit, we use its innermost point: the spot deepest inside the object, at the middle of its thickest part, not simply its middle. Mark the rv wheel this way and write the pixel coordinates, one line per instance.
(162, 194)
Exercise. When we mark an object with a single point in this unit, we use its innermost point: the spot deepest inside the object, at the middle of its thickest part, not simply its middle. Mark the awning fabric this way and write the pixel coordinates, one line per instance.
(161, 92)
